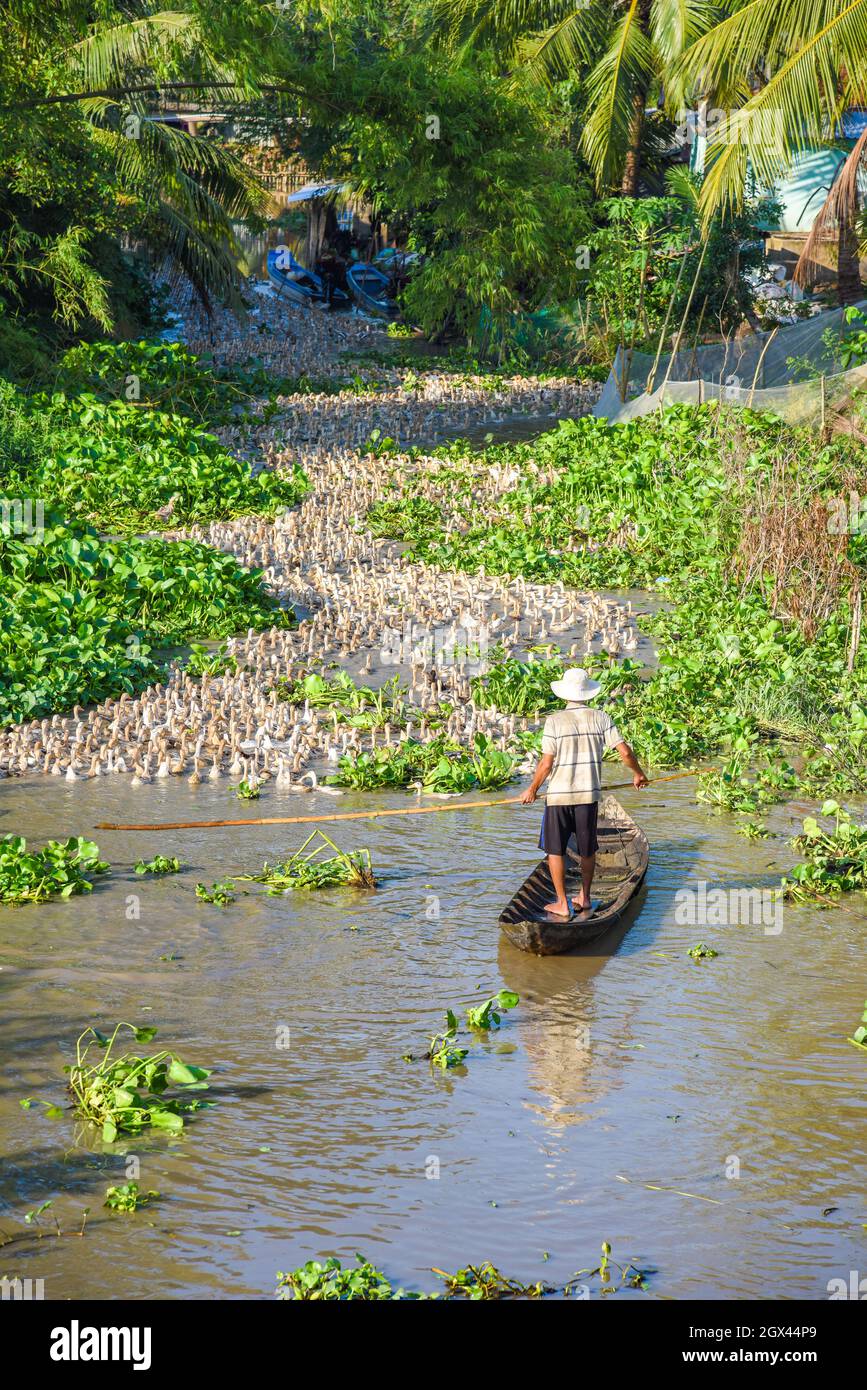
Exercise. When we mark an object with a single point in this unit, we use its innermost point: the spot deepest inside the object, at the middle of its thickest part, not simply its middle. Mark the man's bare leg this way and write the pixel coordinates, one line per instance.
(588, 868)
(557, 870)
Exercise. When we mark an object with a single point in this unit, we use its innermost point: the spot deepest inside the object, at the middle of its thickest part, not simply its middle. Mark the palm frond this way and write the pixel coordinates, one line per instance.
(676, 24)
(110, 52)
(756, 40)
(186, 191)
(467, 24)
(681, 183)
(567, 47)
(204, 253)
(839, 208)
(623, 73)
(797, 107)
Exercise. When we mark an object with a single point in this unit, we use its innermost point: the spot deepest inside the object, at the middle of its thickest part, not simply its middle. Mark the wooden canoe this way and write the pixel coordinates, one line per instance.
(621, 865)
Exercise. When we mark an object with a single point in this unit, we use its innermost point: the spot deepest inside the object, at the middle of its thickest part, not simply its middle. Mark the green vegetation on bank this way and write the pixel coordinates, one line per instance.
(81, 618)
(724, 516)
(122, 467)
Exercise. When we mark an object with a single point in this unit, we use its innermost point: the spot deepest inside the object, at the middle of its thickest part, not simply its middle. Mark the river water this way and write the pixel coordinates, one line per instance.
(611, 1106)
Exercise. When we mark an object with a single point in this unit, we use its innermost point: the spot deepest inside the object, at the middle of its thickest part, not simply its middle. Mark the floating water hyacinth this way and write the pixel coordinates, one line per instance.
(60, 869)
(305, 871)
(128, 1093)
(159, 865)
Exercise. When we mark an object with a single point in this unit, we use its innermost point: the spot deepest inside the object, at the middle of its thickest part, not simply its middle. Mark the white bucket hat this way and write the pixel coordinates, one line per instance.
(576, 685)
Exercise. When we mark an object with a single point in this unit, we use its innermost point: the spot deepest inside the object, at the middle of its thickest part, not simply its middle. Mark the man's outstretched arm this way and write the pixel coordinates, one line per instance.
(640, 779)
(543, 767)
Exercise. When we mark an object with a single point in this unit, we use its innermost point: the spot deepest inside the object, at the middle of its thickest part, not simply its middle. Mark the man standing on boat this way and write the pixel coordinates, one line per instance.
(573, 742)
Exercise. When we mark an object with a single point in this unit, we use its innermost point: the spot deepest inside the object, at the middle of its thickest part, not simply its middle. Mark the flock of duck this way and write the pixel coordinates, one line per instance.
(412, 410)
(363, 608)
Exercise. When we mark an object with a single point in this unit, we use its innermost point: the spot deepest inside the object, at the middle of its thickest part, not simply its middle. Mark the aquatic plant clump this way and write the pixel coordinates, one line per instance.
(441, 766)
(128, 1197)
(485, 1281)
(219, 894)
(160, 864)
(859, 1037)
(479, 1283)
(359, 706)
(246, 790)
(304, 870)
(486, 1016)
(60, 869)
(129, 1093)
(519, 687)
(315, 1281)
(443, 1050)
(835, 862)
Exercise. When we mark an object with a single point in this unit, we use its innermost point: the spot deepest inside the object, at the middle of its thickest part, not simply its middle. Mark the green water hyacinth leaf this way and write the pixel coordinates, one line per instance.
(158, 865)
(168, 1120)
(835, 862)
(487, 1015)
(183, 1075)
(220, 894)
(128, 1197)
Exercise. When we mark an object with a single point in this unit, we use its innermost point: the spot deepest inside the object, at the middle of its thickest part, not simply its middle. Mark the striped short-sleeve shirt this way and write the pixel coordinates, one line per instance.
(576, 738)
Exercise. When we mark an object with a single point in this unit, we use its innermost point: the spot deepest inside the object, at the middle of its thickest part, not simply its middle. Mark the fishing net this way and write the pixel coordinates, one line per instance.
(794, 371)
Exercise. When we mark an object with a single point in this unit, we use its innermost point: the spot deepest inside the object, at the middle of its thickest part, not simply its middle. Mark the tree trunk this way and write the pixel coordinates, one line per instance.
(848, 271)
(632, 163)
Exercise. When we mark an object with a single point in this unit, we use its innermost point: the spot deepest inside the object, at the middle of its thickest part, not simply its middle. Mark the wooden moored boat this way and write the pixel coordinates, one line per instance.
(621, 865)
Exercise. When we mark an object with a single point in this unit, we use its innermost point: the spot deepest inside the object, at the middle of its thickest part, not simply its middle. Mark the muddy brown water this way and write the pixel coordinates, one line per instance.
(620, 1073)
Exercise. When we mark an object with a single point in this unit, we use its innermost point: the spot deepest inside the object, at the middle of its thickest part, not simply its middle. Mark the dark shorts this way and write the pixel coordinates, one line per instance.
(560, 823)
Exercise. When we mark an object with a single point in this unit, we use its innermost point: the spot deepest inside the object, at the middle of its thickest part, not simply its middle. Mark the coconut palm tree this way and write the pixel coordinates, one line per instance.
(785, 71)
(621, 52)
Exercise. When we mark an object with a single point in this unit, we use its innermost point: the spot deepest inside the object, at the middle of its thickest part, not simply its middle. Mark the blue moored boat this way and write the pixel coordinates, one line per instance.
(294, 281)
(371, 290)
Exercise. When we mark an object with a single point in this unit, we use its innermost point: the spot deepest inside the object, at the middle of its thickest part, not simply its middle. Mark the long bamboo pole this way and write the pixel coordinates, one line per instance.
(364, 815)
(759, 366)
(676, 345)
